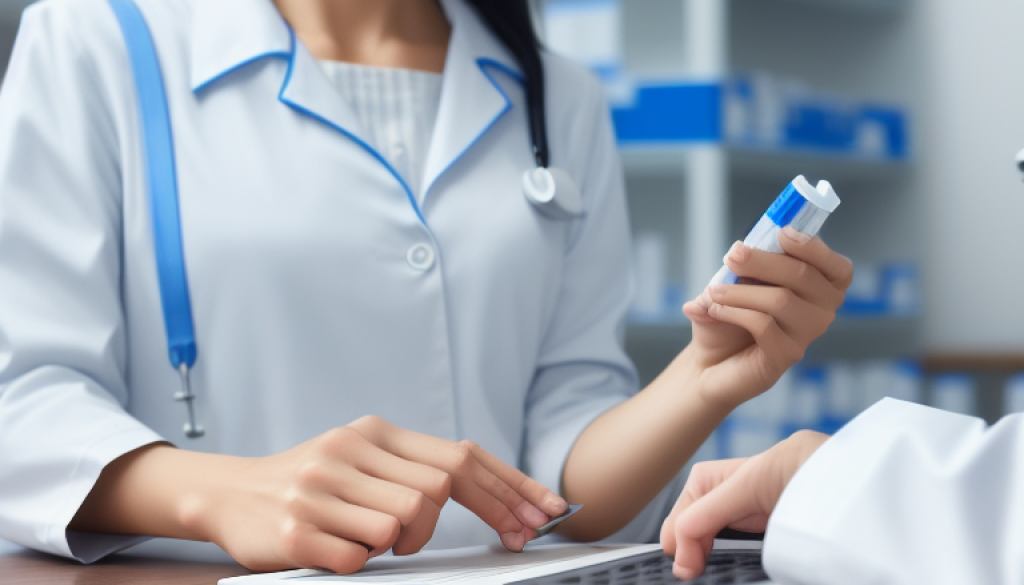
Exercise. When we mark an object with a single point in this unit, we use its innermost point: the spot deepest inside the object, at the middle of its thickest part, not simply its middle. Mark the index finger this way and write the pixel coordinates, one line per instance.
(732, 503)
(497, 492)
(548, 501)
(833, 266)
(704, 477)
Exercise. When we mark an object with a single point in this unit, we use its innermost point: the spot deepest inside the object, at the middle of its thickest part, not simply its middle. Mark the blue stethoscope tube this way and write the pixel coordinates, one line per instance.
(158, 143)
(550, 190)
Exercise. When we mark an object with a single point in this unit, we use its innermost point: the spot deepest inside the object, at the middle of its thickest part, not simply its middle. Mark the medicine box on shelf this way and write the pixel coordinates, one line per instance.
(756, 112)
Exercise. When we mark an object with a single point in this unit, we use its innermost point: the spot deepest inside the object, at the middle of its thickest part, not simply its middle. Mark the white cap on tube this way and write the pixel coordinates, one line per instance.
(823, 197)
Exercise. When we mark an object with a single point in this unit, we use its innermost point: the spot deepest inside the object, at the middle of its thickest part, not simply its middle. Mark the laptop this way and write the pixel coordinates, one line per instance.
(725, 566)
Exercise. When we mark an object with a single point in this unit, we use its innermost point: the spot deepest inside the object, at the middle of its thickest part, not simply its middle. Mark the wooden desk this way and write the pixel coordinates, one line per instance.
(26, 567)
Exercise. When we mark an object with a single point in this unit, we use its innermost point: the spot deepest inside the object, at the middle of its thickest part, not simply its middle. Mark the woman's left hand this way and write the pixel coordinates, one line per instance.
(745, 336)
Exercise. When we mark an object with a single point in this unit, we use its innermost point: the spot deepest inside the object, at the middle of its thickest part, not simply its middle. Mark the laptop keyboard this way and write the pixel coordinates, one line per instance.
(723, 568)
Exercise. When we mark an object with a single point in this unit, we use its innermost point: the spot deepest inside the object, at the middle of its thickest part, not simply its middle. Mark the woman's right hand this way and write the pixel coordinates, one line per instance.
(332, 502)
(359, 490)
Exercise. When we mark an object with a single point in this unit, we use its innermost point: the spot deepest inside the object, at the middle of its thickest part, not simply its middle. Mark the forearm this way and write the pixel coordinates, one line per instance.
(156, 490)
(630, 453)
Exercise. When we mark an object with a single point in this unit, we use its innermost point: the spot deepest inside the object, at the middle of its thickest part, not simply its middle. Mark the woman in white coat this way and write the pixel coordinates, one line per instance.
(383, 321)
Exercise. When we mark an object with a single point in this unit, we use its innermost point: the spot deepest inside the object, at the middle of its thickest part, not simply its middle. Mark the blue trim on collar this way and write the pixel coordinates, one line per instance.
(514, 74)
(271, 55)
(483, 63)
(304, 111)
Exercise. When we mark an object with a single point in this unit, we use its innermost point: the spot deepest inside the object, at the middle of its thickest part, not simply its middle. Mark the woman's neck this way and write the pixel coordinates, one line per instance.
(408, 34)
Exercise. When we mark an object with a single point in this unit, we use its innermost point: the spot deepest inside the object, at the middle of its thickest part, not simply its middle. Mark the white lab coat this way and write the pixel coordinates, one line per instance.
(322, 289)
(905, 495)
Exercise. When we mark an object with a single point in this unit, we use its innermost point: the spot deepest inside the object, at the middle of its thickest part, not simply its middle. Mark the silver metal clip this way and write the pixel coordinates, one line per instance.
(192, 430)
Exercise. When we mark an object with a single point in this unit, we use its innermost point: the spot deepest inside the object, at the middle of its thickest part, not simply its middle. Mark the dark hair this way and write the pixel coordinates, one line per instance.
(510, 21)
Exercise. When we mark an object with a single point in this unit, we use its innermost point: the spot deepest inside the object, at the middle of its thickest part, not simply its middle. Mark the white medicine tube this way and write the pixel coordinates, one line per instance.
(801, 206)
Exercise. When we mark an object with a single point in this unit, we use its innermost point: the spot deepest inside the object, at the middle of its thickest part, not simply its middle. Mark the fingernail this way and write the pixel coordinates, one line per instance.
(684, 573)
(556, 505)
(704, 299)
(513, 541)
(531, 515)
(737, 253)
(730, 250)
(795, 234)
(716, 290)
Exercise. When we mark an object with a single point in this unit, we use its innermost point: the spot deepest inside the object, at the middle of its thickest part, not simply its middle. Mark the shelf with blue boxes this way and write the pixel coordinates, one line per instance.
(827, 395)
(869, 6)
(750, 114)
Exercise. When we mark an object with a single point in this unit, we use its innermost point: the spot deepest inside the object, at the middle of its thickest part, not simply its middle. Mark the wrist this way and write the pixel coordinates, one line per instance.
(205, 493)
(689, 371)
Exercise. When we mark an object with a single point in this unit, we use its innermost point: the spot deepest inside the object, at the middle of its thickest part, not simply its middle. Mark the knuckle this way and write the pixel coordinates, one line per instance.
(803, 271)
(440, 487)
(350, 560)
(699, 469)
(295, 501)
(410, 507)
(310, 473)
(342, 438)
(293, 538)
(370, 425)
(762, 326)
(845, 272)
(462, 455)
(782, 300)
(386, 532)
(801, 435)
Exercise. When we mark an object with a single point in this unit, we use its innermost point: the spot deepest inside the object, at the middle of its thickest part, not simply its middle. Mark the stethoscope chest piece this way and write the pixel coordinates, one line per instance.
(553, 192)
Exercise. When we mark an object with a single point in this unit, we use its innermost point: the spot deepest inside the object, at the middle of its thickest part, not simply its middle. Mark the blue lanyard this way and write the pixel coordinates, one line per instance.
(158, 143)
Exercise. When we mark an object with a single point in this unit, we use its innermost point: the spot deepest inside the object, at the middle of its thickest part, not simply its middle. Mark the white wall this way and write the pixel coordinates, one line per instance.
(972, 125)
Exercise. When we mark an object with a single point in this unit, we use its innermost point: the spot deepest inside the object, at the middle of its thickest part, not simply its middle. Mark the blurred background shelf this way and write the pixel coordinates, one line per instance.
(973, 362)
(654, 342)
(854, 6)
(766, 163)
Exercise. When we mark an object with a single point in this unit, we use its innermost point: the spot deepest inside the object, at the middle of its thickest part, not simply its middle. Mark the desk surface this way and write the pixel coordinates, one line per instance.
(33, 568)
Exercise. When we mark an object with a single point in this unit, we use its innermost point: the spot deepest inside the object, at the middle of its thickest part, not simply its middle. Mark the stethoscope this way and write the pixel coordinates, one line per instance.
(551, 191)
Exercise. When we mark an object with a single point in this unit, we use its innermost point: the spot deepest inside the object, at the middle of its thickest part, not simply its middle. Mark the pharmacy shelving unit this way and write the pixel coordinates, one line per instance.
(702, 188)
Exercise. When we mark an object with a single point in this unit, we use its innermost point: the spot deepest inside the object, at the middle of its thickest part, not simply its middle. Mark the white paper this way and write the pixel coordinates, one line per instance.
(480, 565)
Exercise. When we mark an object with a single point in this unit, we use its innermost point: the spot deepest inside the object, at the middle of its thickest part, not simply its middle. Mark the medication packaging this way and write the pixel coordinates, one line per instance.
(799, 205)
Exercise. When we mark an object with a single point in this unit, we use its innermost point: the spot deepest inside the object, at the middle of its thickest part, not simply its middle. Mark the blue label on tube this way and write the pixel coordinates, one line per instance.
(786, 206)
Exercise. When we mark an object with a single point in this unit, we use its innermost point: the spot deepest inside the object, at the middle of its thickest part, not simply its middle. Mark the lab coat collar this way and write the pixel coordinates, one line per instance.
(230, 34)
(471, 99)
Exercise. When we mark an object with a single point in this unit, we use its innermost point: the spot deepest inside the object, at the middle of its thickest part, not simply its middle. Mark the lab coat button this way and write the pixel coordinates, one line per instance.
(420, 257)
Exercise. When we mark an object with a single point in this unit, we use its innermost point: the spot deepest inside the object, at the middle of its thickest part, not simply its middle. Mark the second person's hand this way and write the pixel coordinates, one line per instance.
(734, 493)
